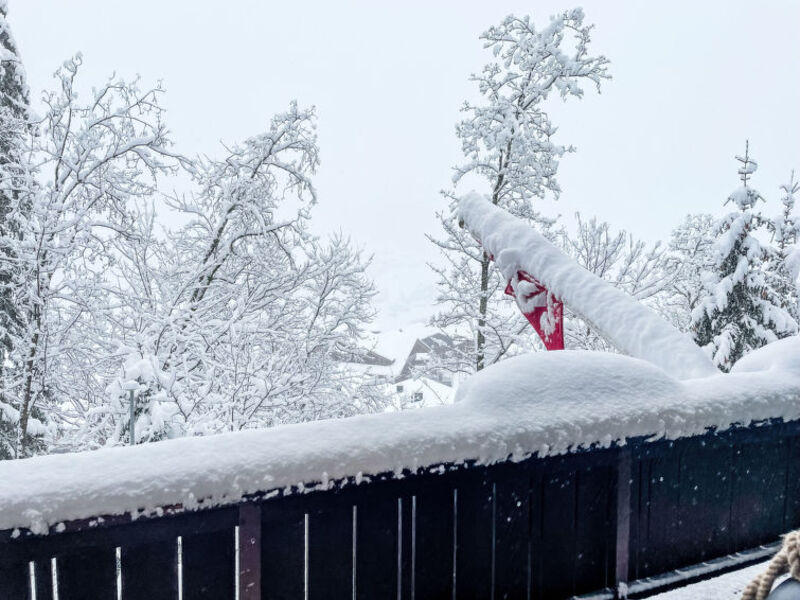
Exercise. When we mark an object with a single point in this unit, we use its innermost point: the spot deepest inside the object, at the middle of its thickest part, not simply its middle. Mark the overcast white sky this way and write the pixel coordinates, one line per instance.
(692, 80)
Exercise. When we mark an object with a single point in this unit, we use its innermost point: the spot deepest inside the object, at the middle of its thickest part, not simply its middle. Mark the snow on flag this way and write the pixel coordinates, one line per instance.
(543, 310)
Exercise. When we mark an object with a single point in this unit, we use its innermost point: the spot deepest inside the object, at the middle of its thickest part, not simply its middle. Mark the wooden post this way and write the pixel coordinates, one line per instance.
(250, 551)
(14, 577)
(623, 523)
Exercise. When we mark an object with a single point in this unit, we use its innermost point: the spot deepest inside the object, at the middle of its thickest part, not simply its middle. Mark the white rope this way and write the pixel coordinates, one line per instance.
(787, 560)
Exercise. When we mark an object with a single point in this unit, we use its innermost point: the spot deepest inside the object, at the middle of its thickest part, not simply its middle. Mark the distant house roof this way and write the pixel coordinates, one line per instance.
(427, 350)
(364, 357)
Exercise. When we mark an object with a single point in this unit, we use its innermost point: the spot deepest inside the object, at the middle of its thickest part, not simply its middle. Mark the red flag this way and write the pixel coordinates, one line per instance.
(543, 310)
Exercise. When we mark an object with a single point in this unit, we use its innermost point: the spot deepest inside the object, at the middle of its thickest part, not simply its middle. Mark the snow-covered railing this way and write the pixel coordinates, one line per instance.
(554, 474)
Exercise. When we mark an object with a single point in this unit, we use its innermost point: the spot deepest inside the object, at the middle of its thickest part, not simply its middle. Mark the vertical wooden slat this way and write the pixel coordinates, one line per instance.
(512, 535)
(407, 550)
(594, 493)
(704, 515)
(792, 508)
(208, 565)
(87, 574)
(250, 551)
(377, 546)
(434, 541)
(758, 501)
(14, 578)
(474, 514)
(282, 550)
(150, 571)
(538, 549)
(558, 534)
(662, 514)
(623, 522)
(638, 523)
(330, 553)
(44, 579)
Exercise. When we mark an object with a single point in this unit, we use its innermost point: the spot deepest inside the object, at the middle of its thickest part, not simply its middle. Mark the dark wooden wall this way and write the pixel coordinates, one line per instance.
(542, 529)
(708, 496)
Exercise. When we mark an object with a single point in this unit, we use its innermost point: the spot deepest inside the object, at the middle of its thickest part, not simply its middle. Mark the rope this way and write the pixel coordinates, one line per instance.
(787, 560)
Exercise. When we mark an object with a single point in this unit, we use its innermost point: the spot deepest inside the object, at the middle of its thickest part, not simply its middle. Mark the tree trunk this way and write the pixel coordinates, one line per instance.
(482, 308)
(483, 303)
(25, 408)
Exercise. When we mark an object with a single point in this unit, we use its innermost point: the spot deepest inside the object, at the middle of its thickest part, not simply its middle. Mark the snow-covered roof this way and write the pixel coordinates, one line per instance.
(397, 343)
(630, 326)
(543, 403)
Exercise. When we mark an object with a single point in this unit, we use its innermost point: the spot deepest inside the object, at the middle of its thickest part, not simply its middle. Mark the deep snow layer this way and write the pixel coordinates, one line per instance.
(542, 403)
(631, 327)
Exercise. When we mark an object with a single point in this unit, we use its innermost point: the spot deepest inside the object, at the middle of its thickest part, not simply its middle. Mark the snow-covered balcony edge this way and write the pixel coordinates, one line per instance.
(535, 405)
(604, 451)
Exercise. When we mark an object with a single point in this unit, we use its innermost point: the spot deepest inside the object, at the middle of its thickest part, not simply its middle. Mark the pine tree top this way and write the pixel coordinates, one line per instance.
(744, 196)
(14, 92)
(749, 166)
(789, 190)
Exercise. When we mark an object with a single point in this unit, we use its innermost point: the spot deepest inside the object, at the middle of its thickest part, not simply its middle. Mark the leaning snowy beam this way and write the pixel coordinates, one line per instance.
(631, 327)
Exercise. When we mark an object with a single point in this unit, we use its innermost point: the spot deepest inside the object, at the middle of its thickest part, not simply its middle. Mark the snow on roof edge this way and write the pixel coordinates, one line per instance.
(535, 404)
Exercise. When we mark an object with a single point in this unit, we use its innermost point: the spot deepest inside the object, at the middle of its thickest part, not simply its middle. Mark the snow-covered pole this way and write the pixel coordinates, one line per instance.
(131, 387)
(543, 311)
(630, 326)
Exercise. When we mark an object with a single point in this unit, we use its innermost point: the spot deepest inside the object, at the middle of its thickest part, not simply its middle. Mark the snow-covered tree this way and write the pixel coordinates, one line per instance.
(240, 317)
(783, 265)
(14, 109)
(618, 258)
(507, 141)
(688, 257)
(739, 311)
(89, 161)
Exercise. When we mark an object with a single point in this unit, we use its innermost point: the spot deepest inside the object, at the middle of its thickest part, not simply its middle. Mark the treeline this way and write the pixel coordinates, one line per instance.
(238, 318)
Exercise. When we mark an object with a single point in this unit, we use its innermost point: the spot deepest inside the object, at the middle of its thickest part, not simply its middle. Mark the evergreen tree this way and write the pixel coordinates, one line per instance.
(739, 311)
(14, 106)
(783, 266)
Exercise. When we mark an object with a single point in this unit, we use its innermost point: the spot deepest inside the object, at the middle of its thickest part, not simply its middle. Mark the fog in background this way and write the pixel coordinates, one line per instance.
(692, 80)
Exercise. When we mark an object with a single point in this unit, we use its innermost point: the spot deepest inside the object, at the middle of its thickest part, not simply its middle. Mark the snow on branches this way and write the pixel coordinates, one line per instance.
(783, 265)
(628, 325)
(14, 113)
(234, 319)
(507, 140)
(622, 261)
(238, 318)
(86, 161)
(741, 309)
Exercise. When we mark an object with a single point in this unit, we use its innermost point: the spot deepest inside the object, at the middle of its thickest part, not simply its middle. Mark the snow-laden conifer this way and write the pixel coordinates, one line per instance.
(783, 265)
(14, 109)
(739, 310)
